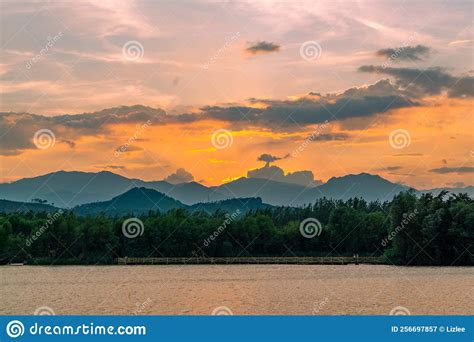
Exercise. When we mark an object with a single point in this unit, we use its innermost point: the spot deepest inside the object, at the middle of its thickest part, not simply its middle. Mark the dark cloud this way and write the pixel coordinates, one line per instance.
(405, 52)
(390, 168)
(180, 176)
(423, 82)
(461, 169)
(268, 158)
(288, 115)
(328, 137)
(18, 129)
(294, 114)
(262, 47)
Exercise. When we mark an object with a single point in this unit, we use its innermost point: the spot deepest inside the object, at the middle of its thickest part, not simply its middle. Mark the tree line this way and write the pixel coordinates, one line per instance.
(409, 230)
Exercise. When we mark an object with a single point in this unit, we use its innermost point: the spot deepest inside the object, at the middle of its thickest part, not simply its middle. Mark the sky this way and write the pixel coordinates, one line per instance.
(206, 91)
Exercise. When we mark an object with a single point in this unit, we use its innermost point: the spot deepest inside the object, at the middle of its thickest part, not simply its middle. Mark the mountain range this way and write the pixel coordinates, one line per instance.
(88, 192)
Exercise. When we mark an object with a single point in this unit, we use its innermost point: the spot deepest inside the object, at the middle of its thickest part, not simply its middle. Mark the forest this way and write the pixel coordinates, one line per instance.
(409, 230)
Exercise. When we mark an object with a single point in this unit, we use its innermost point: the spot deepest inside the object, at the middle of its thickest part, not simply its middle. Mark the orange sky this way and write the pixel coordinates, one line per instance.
(67, 58)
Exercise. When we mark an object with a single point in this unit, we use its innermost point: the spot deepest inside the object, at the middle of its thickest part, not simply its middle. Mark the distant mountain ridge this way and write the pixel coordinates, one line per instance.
(68, 189)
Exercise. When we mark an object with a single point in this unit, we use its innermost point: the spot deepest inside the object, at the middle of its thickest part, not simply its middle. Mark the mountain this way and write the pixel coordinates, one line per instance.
(188, 193)
(370, 187)
(70, 189)
(135, 201)
(67, 189)
(11, 207)
(271, 192)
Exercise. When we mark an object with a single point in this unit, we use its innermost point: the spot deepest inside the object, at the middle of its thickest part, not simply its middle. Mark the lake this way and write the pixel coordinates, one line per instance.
(237, 289)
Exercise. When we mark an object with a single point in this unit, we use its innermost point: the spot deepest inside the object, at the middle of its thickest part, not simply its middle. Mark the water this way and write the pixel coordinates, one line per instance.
(240, 289)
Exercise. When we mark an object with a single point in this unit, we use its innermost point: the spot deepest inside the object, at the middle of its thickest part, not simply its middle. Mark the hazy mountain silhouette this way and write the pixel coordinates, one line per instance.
(135, 201)
(69, 189)
(370, 187)
(141, 200)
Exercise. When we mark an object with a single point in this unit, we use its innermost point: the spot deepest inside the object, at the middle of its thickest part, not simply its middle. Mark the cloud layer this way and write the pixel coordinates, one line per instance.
(426, 82)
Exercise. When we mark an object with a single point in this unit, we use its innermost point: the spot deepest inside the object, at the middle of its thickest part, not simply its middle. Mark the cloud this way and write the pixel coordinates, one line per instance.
(305, 178)
(112, 167)
(390, 168)
(276, 115)
(18, 129)
(408, 155)
(293, 114)
(415, 53)
(70, 143)
(457, 184)
(262, 47)
(268, 158)
(461, 169)
(424, 82)
(180, 176)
